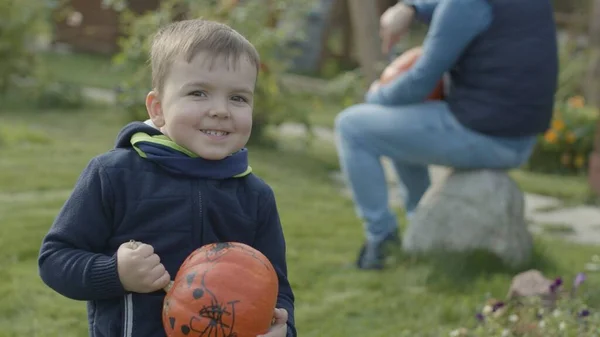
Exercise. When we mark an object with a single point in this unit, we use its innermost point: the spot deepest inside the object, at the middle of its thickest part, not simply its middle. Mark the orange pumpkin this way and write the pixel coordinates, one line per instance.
(402, 63)
(223, 290)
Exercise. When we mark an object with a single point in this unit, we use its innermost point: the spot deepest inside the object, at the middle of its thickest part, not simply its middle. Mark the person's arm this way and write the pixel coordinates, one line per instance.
(423, 8)
(454, 25)
(70, 261)
(271, 242)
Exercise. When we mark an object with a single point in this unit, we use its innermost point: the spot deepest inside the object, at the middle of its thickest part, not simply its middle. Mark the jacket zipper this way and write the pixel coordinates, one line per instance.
(200, 237)
(128, 313)
(128, 299)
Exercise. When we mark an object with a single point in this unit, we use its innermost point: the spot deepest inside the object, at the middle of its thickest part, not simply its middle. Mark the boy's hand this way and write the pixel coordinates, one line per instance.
(279, 327)
(140, 269)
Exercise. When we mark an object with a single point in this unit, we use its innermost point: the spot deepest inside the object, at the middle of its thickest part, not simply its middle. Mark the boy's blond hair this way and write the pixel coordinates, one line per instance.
(189, 37)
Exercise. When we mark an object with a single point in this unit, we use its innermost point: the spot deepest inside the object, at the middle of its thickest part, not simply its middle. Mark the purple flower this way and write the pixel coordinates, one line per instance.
(579, 279)
(584, 313)
(497, 306)
(556, 284)
(480, 317)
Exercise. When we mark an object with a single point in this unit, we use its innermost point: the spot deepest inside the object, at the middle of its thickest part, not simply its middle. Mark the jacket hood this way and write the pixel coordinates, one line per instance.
(124, 137)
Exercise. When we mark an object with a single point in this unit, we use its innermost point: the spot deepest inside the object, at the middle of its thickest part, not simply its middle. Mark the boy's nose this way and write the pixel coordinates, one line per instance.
(219, 112)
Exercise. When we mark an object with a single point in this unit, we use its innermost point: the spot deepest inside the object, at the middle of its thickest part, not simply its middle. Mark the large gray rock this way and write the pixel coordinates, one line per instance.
(468, 210)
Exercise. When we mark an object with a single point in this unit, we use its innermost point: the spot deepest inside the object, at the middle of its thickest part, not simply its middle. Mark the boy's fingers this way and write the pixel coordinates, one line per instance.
(281, 316)
(162, 281)
(276, 332)
(153, 260)
(129, 244)
(145, 250)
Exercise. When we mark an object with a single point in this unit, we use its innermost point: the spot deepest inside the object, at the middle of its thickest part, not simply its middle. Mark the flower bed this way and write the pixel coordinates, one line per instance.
(562, 311)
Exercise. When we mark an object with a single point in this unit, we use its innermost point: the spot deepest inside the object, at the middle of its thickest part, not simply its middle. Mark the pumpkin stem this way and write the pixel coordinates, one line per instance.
(168, 287)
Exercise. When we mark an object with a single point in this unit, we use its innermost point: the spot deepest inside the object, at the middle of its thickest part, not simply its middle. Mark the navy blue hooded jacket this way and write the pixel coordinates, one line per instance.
(121, 196)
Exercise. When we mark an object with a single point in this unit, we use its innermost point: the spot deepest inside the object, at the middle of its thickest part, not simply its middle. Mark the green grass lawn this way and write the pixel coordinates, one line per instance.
(43, 154)
(571, 189)
(85, 69)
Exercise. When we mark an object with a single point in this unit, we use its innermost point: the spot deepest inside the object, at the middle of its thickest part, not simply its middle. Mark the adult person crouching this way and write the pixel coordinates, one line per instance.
(502, 62)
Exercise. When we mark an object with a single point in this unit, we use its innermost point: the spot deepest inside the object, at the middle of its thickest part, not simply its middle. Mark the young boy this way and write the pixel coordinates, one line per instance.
(173, 188)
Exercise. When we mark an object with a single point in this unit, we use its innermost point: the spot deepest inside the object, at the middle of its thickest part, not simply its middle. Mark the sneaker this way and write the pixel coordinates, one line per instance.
(372, 256)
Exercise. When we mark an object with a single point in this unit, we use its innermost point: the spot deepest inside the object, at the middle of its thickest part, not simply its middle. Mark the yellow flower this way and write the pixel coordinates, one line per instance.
(570, 138)
(558, 125)
(579, 161)
(550, 137)
(576, 102)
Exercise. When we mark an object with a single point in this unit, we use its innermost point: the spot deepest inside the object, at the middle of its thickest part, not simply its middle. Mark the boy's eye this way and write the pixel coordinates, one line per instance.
(239, 99)
(198, 93)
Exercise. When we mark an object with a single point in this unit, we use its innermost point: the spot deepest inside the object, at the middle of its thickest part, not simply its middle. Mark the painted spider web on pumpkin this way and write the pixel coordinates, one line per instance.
(214, 320)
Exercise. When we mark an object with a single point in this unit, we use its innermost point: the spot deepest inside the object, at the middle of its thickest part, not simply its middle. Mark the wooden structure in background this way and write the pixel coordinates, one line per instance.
(99, 30)
(356, 29)
(345, 19)
(593, 93)
(365, 27)
(593, 73)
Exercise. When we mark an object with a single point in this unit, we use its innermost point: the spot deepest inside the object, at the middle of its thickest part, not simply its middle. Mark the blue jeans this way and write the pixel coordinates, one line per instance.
(413, 137)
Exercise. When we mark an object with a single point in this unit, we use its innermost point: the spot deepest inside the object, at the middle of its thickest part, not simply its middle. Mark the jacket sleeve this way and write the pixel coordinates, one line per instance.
(423, 8)
(454, 25)
(71, 260)
(271, 242)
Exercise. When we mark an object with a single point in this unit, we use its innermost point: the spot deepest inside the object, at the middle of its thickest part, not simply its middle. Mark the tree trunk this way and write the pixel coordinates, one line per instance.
(593, 93)
(365, 26)
(346, 27)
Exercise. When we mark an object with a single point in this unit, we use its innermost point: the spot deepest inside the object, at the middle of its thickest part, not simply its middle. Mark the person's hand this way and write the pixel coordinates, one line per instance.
(394, 24)
(279, 327)
(374, 86)
(140, 269)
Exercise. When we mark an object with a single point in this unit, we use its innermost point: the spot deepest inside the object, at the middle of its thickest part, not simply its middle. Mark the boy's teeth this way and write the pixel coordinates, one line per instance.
(215, 133)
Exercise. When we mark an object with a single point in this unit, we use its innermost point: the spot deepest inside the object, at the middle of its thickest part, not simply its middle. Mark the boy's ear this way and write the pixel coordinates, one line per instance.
(154, 108)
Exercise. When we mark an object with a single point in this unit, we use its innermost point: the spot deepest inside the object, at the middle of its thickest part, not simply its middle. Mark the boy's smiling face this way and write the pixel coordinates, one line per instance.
(206, 106)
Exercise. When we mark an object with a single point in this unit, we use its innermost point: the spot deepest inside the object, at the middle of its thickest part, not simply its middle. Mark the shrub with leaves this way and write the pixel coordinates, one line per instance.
(21, 23)
(24, 76)
(565, 147)
(564, 313)
(573, 66)
(257, 20)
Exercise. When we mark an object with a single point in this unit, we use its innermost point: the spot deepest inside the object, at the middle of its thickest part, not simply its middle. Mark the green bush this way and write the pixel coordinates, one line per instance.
(565, 147)
(573, 64)
(251, 19)
(21, 24)
(24, 77)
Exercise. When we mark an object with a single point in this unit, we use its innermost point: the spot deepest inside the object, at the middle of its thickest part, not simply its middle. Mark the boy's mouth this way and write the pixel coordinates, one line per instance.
(215, 133)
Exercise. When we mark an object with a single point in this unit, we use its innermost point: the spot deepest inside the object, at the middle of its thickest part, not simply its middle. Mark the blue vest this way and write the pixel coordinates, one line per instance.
(504, 83)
